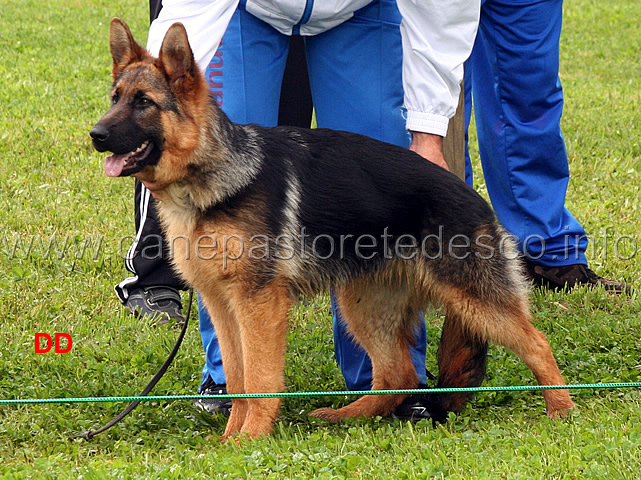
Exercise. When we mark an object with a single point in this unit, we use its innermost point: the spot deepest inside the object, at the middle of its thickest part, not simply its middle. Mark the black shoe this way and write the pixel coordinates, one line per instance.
(413, 408)
(210, 403)
(558, 278)
(160, 304)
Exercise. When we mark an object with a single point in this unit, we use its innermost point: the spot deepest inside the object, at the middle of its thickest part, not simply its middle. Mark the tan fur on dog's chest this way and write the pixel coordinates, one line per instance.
(205, 255)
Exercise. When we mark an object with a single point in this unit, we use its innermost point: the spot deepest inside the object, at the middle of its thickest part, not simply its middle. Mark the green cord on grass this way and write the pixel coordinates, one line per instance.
(157, 398)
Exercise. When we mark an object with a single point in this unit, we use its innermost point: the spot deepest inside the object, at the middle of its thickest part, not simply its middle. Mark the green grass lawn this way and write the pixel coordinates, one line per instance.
(64, 227)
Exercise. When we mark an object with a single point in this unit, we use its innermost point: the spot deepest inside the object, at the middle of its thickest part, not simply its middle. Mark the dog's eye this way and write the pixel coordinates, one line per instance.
(145, 102)
(114, 99)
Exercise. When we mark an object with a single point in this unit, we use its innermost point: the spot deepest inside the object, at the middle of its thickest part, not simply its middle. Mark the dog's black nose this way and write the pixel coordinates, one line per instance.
(99, 133)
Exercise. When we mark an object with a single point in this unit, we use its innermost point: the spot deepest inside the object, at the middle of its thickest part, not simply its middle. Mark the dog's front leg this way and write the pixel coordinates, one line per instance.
(229, 340)
(262, 321)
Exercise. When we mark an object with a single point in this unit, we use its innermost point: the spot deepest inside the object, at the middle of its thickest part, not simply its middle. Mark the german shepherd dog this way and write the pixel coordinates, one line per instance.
(257, 215)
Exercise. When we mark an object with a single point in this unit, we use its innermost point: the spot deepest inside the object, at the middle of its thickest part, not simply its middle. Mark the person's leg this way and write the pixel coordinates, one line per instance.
(148, 257)
(518, 103)
(467, 91)
(213, 362)
(153, 290)
(246, 73)
(355, 75)
(155, 6)
(295, 108)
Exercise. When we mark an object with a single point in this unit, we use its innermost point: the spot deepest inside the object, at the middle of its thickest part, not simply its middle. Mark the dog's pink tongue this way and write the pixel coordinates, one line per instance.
(114, 164)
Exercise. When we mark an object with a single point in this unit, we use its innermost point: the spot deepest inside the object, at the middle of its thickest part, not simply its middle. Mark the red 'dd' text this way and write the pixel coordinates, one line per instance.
(43, 343)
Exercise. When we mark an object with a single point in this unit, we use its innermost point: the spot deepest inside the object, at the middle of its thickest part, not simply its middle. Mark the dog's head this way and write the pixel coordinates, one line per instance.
(157, 107)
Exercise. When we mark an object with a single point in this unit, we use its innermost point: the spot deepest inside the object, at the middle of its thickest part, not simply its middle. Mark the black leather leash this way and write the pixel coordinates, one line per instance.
(90, 434)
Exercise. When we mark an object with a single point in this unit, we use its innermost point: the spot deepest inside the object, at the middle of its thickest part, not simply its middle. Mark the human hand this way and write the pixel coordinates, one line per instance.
(429, 146)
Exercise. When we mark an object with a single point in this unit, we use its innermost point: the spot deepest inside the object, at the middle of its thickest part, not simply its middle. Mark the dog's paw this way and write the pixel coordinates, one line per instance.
(228, 439)
(240, 439)
(560, 411)
(328, 414)
(558, 403)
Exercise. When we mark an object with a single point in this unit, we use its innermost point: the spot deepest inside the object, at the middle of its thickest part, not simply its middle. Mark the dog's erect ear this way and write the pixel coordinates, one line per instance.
(176, 57)
(124, 49)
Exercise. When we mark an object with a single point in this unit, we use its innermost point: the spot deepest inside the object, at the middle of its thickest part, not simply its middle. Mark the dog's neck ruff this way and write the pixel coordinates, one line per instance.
(218, 171)
(223, 170)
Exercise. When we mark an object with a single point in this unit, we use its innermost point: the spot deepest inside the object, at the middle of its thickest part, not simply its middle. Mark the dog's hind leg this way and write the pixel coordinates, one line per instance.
(531, 346)
(381, 320)
(506, 321)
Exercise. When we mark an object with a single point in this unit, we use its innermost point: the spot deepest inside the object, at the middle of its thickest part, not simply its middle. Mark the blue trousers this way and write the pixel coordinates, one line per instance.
(512, 79)
(355, 77)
